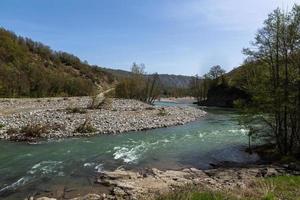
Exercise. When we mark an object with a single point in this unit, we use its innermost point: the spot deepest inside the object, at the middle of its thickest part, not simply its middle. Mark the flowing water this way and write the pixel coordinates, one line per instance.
(26, 169)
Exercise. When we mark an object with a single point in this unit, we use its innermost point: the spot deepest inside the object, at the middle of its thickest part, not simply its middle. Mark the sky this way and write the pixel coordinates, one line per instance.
(168, 36)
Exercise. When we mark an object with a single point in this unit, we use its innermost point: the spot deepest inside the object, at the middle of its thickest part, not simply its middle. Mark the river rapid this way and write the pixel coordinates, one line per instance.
(30, 169)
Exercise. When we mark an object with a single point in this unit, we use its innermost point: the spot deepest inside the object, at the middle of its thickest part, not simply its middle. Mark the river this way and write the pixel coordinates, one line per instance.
(29, 169)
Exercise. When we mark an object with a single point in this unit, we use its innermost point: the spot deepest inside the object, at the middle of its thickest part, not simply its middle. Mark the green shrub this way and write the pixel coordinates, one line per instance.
(34, 130)
(86, 127)
(75, 110)
(162, 112)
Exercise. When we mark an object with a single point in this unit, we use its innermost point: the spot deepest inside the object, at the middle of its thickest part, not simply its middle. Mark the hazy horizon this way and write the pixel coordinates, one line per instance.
(169, 37)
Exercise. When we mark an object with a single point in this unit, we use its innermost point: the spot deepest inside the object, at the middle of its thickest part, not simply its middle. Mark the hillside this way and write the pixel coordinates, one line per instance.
(32, 69)
(178, 81)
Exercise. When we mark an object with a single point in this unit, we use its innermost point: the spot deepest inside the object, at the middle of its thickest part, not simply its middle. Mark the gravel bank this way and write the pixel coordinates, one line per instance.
(61, 121)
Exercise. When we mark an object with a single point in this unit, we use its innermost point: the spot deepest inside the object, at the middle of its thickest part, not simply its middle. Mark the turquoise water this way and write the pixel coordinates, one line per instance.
(27, 169)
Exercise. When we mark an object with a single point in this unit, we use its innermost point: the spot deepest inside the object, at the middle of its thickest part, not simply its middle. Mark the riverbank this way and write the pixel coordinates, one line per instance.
(29, 119)
(152, 183)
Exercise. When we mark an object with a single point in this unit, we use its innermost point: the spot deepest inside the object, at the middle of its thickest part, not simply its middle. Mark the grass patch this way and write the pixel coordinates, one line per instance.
(208, 196)
(272, 188)
(86, 127)
(269, 196)
(193, 193)
(284, 187)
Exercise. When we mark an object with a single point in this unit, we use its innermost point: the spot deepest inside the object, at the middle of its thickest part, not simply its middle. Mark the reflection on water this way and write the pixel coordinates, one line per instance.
(215, 138)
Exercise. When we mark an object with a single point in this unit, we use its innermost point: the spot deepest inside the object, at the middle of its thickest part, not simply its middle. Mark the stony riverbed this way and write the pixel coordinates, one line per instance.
(63, 116)
(148, 184)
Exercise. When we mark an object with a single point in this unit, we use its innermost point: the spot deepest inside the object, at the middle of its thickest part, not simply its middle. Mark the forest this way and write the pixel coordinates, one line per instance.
(32, 69)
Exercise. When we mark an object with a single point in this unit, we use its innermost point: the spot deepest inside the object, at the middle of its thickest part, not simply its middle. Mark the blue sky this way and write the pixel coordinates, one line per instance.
(168, 36)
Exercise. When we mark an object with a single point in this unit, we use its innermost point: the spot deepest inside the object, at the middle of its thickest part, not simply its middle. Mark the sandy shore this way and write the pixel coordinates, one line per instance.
(61, 117)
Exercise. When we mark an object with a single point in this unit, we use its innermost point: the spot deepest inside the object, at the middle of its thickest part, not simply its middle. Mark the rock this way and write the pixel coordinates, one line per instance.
(90, 197)
(272, 172)
(267, 172)
(125, 184)
(45, 198)
(119, 192)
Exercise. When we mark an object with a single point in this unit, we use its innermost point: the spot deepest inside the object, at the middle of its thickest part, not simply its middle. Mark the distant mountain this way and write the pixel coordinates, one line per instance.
(177, 81)
(166, 80)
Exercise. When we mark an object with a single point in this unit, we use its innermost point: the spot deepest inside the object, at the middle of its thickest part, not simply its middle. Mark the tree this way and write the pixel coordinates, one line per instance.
(276, 95)
(216, 71)
(152, 91)
(139, 85)
(201, 85)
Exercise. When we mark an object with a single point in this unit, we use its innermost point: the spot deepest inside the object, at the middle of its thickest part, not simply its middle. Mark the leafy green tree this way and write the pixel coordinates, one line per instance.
(276, 91)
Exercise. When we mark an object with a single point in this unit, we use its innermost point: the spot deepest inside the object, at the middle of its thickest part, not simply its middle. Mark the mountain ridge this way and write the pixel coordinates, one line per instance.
(167, 80)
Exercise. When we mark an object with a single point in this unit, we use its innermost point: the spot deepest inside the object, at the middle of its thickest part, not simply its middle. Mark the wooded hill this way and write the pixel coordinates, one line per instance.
(32, 69)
